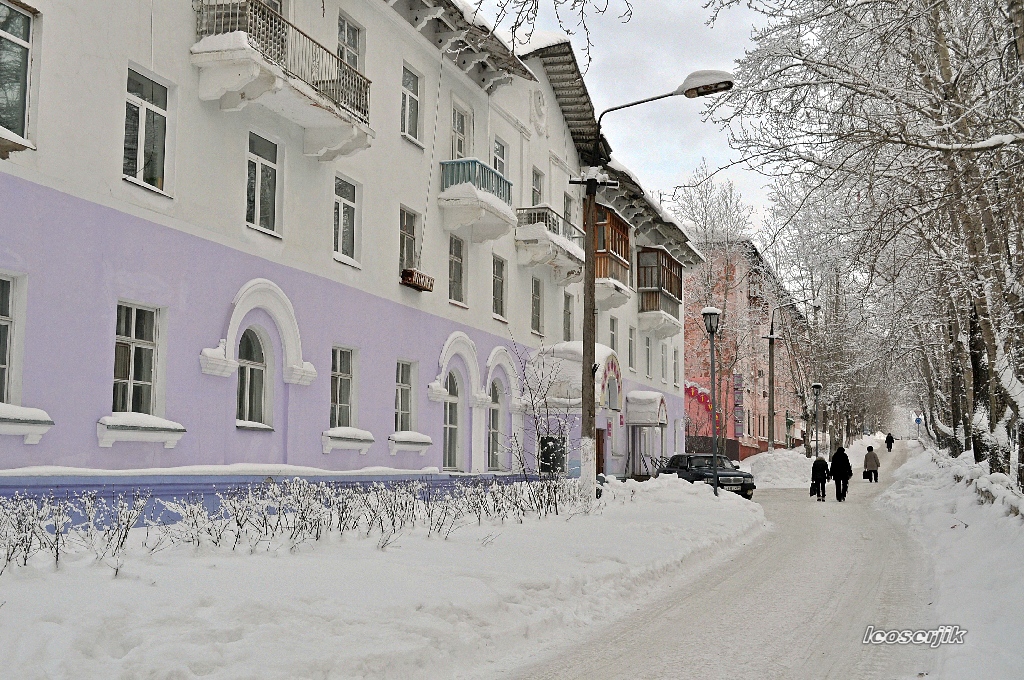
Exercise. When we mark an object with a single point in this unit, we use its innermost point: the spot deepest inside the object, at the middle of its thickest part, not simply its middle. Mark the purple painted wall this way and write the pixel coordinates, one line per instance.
(82, 258)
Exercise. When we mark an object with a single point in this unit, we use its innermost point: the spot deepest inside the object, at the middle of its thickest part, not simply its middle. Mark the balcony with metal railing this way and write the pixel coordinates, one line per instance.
(659, 282)
(248, 53)
(545, 238)
(475, 200)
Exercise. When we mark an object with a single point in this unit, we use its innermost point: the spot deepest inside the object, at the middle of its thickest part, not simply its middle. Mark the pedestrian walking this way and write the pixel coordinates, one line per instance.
(819, 477)
(841, 472)
(871, 465)
(889, 441)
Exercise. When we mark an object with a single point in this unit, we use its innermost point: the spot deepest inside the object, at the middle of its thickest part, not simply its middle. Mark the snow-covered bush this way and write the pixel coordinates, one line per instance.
(273, 515)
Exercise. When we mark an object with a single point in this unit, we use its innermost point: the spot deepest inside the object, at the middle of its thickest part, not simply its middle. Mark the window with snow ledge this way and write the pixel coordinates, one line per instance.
(346, 439)
(137, 427)
(407, 440)
(18, 421)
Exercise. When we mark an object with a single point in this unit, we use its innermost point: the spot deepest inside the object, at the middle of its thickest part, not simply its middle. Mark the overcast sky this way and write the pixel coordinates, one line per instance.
(663, 142)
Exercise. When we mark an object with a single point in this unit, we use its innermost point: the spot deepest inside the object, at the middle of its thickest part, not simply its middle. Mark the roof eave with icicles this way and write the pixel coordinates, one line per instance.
(649, 219)
(469, 43)
(566, 80)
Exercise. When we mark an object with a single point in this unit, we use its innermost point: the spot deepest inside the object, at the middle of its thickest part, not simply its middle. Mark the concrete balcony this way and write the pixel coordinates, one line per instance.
(475, 201)
(544, 238)
(249, 53)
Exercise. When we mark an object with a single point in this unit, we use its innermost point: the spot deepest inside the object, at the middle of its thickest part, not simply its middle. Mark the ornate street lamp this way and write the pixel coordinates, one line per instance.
(711, 316)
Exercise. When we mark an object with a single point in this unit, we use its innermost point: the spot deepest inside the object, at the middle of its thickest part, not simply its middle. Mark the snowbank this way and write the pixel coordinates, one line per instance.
(344, 608)
(977, 549)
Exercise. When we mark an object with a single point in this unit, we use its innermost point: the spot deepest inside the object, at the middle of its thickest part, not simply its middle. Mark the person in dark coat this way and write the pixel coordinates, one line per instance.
(819, 477)
(889, 441)
(871, 465)
(841, 472)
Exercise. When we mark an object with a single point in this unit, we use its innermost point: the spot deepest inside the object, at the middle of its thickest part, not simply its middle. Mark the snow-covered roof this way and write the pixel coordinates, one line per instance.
(646, 407)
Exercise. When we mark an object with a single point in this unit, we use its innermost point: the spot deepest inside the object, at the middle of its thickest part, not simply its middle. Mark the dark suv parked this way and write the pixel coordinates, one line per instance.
(696, 467)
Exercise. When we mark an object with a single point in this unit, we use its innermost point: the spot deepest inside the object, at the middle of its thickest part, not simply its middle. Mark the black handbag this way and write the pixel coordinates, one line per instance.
(814, 488)
(867, 474)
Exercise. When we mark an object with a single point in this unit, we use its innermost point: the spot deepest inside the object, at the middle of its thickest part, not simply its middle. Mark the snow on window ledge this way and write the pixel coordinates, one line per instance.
(20, 421)
(137, 427)
(407, 440)
(253, 425)
(346, 439)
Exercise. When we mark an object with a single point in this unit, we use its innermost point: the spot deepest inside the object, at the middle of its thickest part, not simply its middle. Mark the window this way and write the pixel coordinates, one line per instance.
(664, 362)
(341, 388)
(349, 40)
(451, 424)
(6, 333)
(410, 104)
(647, 356)
(538, 187)
(494, 429)
(407, 240)
(145, 130)
(567, 208)
(498, 286)
(344, 217)
(403, 396)
(261, 192)
(537, 306)
(252, 371)
(459, 146)
(632, 348)
(498, 160)
(613, 333)
(15, 37)
(456, 269)
(134, 359)
(675, 367)
(567, 317)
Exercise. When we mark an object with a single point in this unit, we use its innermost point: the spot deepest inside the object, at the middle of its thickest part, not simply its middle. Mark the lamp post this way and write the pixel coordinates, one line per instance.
(697, 84)
(817, 391)
(771, 368)
(711, 316)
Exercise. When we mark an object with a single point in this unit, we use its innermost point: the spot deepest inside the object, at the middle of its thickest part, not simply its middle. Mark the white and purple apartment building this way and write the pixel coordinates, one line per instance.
(305, 233)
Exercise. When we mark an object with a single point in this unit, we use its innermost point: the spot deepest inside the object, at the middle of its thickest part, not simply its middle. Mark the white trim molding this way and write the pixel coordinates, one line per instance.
(457, 344)
(409, 441)
(346, 439)
(268, 296)
(19, 421)
(137, 427)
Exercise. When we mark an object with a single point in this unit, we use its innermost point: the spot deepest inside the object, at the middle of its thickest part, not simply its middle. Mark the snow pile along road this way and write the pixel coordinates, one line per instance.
(791, 468)
(977, 540)
(341, 607)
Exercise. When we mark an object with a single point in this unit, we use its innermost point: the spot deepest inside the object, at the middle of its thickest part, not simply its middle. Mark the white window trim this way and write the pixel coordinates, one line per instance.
(170, 130)
(159, 361)
(491, 408)
(360, 48)
(459, 423)
(540, 316)
(417, 232)
(357, 226)
(504, 288)
(504, 159)
(533, 174)
(467, 134)
(278, 166)
(415, 135)
(354, 376)
(13, 139)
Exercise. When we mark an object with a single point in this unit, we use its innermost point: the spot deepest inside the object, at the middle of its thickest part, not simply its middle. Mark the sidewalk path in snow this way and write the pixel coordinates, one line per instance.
(793, 604)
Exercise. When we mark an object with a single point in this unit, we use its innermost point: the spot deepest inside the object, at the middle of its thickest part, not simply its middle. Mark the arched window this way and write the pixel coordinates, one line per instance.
(494, 429)
(252, 369)
(451, 424)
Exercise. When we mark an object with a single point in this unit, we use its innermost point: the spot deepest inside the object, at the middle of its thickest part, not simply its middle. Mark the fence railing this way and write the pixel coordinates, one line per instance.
(282, 43)
(555, 223)
(478, 174)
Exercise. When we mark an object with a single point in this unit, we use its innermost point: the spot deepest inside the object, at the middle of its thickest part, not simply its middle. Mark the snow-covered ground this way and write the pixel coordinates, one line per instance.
(791, 468)
(978, 552)
(344, 608)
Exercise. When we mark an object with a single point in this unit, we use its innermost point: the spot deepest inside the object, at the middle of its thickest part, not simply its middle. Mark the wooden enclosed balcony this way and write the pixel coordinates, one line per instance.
(612, 259)
(659, 282)
(247, 52)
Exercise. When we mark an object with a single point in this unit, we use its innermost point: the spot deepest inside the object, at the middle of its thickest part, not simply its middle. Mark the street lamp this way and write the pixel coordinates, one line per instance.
(697, 84)
(771, 368)
(711, 316)
(817, 391)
